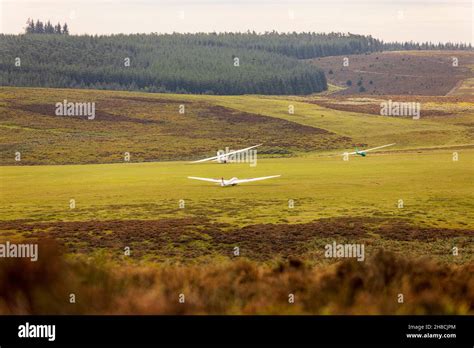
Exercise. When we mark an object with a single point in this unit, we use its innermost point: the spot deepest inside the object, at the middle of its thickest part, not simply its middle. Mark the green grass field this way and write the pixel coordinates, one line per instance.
(320, 186)
(437, 211)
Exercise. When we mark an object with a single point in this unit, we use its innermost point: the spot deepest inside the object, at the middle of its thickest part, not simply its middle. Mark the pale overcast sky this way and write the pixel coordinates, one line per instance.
(402, 20)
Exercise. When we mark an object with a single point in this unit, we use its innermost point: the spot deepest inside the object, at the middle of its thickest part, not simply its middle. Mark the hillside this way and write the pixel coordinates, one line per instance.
(139, 123)
(180, 63)
(223, 64)
(400, 72)
(151, 128)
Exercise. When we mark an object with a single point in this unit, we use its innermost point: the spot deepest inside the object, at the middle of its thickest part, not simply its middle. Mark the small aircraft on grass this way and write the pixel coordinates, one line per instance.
(226, 156)
(363, 153)
(233, 181)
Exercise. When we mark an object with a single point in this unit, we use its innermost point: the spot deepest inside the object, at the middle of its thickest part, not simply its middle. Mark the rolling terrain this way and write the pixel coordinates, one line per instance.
(409, 204)
(399, 73)
(28, 124)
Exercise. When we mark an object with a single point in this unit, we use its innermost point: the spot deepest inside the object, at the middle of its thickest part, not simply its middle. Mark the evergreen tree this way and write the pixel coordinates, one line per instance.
(30, 28)
(48, 28)
(39, 28)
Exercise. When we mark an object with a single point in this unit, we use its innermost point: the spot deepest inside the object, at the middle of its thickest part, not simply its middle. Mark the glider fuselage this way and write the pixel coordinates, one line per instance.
(230, 182)
(222, 159)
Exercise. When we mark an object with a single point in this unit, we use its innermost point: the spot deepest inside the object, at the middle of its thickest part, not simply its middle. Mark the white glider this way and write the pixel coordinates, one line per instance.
(223, 157)
(233, 181)
(363, 152)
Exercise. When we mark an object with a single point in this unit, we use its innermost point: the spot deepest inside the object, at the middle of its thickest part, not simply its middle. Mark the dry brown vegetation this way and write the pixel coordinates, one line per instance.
(240, 287)
(392, 73)
(152, 129)
(198, 239)
(432, 106)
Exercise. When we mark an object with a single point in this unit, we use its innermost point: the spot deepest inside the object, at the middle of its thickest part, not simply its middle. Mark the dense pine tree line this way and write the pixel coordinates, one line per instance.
(224, 63)
(410, 45)
(152, 63)
(297, 45)
(39, 27)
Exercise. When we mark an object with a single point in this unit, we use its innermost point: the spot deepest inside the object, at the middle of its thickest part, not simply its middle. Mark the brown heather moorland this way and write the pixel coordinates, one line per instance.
(429, 73)
(239, 287)
(150, 128)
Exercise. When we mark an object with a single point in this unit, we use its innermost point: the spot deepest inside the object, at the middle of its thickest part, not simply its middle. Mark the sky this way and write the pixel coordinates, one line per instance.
(389, 20)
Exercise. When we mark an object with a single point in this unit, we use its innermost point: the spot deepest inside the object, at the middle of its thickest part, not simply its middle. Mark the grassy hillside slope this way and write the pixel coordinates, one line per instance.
(151, 128)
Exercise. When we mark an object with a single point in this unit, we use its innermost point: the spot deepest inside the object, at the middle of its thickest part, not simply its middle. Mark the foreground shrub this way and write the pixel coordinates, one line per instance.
(240, 287)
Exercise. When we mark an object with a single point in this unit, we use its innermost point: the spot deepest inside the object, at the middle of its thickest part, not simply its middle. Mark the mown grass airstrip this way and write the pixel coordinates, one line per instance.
(136, 205)
(436, 191)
